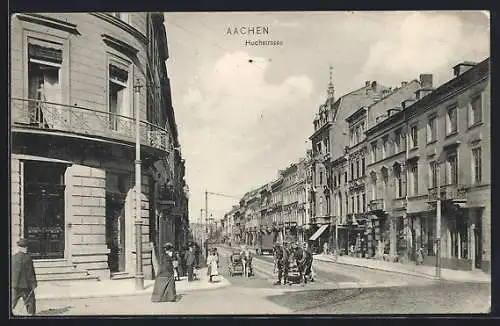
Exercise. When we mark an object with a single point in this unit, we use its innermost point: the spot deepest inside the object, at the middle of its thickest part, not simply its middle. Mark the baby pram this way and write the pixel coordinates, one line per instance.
(293, 276)
(236, 264)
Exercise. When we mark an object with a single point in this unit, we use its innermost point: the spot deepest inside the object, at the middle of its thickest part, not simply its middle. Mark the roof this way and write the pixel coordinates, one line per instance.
(463, 81)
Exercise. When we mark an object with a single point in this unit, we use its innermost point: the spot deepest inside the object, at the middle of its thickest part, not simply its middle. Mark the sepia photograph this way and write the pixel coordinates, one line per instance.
(249, 163)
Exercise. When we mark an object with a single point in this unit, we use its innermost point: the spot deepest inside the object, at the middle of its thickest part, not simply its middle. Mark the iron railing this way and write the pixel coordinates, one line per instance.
(38, 114)
(399, 203)
(449, 192)
(377, 205)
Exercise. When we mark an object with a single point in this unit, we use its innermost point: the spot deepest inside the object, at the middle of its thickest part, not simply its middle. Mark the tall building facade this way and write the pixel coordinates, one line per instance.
(446, 137)
(77, 81)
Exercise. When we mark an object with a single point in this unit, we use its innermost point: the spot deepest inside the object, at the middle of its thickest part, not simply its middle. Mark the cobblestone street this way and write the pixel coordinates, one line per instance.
(257, 295)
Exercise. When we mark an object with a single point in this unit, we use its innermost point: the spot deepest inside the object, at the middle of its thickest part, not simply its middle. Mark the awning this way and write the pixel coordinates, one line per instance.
(318, 232)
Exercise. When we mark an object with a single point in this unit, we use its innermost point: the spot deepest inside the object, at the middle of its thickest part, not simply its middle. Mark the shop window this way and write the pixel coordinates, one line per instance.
(459, 239)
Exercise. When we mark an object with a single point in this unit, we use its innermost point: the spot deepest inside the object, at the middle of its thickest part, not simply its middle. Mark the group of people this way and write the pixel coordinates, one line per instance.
(173, 265)
(288, 254)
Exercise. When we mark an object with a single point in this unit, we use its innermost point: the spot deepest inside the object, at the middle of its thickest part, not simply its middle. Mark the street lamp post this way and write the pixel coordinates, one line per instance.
(139, 275)
(438, 223)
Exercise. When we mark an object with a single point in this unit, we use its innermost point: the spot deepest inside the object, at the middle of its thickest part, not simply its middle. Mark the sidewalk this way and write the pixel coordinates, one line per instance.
(125, 287)
(409, 269)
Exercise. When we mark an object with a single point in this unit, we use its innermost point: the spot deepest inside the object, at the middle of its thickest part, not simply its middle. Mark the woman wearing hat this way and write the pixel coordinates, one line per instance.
(164, 287)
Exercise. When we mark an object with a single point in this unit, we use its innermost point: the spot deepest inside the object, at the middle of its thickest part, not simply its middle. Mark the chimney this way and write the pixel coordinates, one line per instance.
(462, 67)
(403, 83)
(374, 85)
(407, 103)
(426, 80)
(367, 83)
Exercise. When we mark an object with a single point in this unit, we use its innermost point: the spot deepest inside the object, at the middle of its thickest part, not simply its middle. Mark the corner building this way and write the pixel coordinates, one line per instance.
(74, 91)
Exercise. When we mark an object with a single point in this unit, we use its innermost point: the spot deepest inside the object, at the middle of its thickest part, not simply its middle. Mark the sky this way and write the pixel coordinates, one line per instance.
(244, 112)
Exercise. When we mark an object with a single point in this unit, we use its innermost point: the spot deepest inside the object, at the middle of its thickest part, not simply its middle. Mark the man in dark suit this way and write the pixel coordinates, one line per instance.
(23, 283)
(190, 262)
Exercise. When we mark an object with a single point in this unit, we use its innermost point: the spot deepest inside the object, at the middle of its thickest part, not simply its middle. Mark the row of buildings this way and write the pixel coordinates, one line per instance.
(380, 159)
(78, 81)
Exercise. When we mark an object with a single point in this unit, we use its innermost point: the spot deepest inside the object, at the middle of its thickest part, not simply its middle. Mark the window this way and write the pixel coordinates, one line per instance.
(345, 176)
(433, 174)
(374, 152)
(357, 169)
(459, 238)
(452, 169)
(363, 166)
(399, 182)
(451, 120)
(414, 178)
(413, 136)
(476, 165)
(335, 180)
(358, 208)
(346, 203)
(384, 147)
(44, 77)
(119, 100)
(321, 178)
(352, 204)
(476, 114)
(363, 202)
(431, 129)
(374, 188)
(352, 170)
(340, 204)
(397, 141)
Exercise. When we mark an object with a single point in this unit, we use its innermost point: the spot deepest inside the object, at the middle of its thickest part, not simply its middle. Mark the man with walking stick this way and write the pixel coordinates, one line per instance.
(23, 282)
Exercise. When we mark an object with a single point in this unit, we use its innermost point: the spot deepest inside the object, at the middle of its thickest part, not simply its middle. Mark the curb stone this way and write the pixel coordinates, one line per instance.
(222, 284)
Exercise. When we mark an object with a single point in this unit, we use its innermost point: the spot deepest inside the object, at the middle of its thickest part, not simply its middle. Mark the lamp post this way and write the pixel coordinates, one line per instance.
(139, 275)
(438, 223)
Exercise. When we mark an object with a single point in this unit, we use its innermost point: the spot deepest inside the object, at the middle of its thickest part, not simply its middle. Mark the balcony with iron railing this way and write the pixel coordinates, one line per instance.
(399, 203)
(377, 205)
(449, 192)
(42, 115)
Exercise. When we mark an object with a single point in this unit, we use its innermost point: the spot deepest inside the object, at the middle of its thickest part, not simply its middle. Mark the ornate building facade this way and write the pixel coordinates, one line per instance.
(77, 81)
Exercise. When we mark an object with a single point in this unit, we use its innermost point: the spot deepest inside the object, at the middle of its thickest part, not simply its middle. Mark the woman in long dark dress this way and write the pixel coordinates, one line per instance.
(164, 287)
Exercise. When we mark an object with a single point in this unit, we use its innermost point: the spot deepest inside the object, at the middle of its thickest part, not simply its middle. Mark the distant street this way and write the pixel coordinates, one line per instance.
(257, 295)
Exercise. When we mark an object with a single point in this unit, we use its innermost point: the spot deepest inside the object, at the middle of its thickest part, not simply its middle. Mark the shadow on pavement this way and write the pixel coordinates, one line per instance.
(51, 311)
(313, 299)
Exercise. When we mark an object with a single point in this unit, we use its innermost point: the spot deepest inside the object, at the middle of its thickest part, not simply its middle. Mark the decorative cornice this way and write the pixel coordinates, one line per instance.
(49, 22)
(121, 24)
(119, 45)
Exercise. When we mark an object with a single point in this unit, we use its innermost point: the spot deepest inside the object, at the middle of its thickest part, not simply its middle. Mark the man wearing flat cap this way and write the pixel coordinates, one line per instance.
(23, 282)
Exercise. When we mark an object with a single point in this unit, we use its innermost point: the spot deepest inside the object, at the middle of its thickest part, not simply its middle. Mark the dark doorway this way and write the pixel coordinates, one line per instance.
(478, 236)
(44, 209)
(115, 231)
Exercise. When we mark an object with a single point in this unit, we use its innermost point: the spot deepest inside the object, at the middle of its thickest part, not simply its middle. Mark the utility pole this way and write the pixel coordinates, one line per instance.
(139, 275)
(206, 222)
(438, 223)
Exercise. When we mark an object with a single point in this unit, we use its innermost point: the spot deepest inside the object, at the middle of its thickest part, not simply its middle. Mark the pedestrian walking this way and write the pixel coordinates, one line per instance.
(308, 271)
(164, 286)
(190, 263)
(176, 262)
(23, 282)
(281, 258)
(213, 264)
